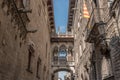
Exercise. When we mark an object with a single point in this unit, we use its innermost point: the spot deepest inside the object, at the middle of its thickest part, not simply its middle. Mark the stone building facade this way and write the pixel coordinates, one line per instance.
(97, 40)
(25, 27)
(81, 48)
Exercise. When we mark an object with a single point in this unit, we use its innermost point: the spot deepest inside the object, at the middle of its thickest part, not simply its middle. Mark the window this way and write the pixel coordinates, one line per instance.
(106, 68)
(38, 68)
(30, 58)
(70, 56)
(95, 2)
(106, 65)
(26, 4)
(62, 54)
(43, 3)
(55, 54)
(82, 76)
(18, 3)
(62, 51)
(39, 10)
(110, 2)
(70, 50)
(44, 72)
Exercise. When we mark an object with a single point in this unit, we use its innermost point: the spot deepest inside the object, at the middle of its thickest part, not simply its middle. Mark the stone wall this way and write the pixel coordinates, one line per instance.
(82, 49)
(16, 38)
(101, 65)
(112, 32)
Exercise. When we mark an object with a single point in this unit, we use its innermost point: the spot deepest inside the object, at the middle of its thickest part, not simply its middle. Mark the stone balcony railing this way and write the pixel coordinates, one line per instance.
(62, 35)
(62, 62)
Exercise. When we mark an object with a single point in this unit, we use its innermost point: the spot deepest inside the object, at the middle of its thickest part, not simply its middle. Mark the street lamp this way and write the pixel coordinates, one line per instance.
(101, 28)
(102, 36)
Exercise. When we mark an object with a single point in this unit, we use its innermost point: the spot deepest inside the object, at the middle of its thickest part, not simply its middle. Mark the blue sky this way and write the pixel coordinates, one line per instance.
(61, 14)
(61, 19)
(62, 74)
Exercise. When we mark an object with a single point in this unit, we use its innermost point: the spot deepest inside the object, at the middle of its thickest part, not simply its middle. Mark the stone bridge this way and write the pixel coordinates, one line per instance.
(62, 53)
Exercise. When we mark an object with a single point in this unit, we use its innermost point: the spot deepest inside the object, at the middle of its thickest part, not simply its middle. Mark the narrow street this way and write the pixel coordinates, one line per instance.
(59, 39)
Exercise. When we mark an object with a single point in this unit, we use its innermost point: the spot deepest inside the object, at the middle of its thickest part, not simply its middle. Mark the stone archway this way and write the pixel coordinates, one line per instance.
(63, 69)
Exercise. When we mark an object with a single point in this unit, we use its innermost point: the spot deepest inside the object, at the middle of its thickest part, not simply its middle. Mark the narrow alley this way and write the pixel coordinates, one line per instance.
(59, 39)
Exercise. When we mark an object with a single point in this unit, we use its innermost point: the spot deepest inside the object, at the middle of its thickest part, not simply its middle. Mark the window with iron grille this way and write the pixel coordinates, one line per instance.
(30, 58)
(38, 68)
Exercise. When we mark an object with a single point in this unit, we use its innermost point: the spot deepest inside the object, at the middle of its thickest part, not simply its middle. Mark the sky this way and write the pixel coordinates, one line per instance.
(62, 74)
(61, 19)
(61, 14)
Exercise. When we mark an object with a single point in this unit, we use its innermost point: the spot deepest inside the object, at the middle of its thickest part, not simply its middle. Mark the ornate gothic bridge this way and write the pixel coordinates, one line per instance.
(62, 54)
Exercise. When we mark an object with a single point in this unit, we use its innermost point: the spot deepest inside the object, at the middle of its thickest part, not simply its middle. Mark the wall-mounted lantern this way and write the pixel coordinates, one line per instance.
(102, 36)
(101, 28)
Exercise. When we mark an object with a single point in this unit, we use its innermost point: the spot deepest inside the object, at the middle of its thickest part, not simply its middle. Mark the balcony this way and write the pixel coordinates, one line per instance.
(62, 62)
(92, 30)
(114, 3)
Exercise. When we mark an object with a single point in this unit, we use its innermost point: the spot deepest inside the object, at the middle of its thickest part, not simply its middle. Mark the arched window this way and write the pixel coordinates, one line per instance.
(70, 56)
(31, 54)
(55, 53)
(110, 2)
(55, 50)
(82, 76)
(70, 50)
(95, 2)
(62, 51)
(38, 68)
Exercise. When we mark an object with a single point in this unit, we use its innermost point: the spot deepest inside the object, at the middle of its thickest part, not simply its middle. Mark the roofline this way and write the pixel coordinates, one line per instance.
(69, 12)
(51, 14)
